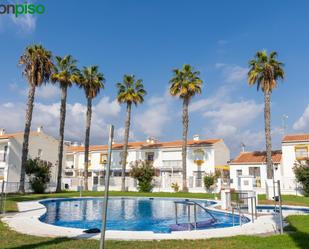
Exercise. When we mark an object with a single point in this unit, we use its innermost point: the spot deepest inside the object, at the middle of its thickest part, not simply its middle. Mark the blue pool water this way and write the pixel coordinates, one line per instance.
(271, 209)
(130, 214)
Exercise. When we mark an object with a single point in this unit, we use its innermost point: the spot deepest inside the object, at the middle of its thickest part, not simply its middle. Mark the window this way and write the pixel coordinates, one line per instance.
(150, 156)
(301, 152)
(103, 158)
(69, 173)
(3, 154)
(101, 180)
(238, 172)
(95, 180)
(254, 171)
(1, 173)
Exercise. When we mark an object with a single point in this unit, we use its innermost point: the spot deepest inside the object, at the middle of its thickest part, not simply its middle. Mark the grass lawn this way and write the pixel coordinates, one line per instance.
(12, 199)
(287, 200)
(298, 238)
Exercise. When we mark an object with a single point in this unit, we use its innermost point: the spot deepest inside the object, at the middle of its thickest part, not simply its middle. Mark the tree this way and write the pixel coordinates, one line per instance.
(209, 181)
(130, 91)
(301, 171)
(144, 172)
(185, 84)
(37, 67)
(92, 81)
(265, 70)
(39, 174)
(66, 74)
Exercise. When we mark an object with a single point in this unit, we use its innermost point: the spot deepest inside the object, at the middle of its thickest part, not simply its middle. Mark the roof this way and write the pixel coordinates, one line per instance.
(145, 145)
(10, 135)
(13, 135)
(256, 157)
(296, 138)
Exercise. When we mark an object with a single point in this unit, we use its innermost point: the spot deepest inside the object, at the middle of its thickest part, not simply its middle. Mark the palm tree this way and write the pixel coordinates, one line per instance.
(265, 70)
(130, 91)
(66, 74)
(185, 84)
(92, 81)
(37, 68)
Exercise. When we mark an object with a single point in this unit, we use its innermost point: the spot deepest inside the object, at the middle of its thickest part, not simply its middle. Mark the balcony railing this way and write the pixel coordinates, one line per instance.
(172, 165)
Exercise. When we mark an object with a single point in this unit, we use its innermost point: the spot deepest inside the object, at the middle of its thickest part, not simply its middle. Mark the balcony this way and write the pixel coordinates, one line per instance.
(171, 165)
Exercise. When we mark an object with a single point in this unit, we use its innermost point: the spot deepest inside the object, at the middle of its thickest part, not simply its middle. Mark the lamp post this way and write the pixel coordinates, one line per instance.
(107, 172)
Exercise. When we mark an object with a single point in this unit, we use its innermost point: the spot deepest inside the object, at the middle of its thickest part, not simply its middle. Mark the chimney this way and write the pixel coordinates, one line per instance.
(2, 131)
(243, 147)
(196, 137)
(75, 144)
(40, 129)
(151, 140)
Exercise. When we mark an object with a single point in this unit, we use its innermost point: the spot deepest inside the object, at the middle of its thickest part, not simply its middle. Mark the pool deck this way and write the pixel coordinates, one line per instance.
(27, 221)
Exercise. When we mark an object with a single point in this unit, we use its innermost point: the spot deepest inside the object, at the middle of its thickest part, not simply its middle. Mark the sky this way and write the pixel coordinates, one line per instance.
(149, 38)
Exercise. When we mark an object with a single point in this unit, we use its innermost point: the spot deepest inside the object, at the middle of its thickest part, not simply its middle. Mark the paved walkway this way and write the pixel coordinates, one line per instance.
(27, 222)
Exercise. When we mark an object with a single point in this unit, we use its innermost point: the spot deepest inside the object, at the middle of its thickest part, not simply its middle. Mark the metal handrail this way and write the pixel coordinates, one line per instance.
(189, 203)
(205, 209)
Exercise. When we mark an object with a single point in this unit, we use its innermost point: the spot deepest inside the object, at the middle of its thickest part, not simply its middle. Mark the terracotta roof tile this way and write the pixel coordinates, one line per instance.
(256, 157)
(296, 138)
(145, 145)
(12, 135)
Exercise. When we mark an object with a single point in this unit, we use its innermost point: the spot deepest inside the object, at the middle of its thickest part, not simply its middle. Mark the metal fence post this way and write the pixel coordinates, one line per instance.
(105, 201)
(2, 198)
(280, 208)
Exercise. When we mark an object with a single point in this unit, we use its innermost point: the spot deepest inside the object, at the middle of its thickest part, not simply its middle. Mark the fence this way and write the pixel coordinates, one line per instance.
(13, 187)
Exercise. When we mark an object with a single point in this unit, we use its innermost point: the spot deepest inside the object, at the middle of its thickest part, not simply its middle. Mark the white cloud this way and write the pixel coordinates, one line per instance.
(237, 114)
(25, 23)
(48, 92)
(222, 42)
(154, 119)
(302, 123)
(106, 107)
(233, 73)
(230, 119)
(47, 115)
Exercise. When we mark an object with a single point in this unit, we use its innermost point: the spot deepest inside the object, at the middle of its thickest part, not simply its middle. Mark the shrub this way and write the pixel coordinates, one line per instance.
(144, 172)
(209, 181)
(175, 186)
(301, 171)
(39, 174)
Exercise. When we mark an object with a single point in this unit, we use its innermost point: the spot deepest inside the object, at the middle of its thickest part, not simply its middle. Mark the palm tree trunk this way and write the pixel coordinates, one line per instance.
(185, 123)
(24, 156)
(87, 137)
(125, 148)
(268, 135)
(61, 135)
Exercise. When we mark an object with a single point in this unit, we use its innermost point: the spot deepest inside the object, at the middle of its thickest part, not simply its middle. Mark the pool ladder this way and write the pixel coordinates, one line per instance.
(195, 204)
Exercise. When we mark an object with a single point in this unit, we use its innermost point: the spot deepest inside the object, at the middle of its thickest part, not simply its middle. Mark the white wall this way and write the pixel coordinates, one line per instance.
(160, 156)
(47, 144)
(222, 153)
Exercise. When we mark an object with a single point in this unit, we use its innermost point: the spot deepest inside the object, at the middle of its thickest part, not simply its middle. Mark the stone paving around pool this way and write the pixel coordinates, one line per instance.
(27, 222)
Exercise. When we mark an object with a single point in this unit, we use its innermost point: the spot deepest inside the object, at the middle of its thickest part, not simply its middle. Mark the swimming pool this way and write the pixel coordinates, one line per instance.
(130, 214)
(285, 209)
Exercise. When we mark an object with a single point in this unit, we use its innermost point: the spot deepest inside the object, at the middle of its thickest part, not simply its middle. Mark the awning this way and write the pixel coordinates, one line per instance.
(224, 167)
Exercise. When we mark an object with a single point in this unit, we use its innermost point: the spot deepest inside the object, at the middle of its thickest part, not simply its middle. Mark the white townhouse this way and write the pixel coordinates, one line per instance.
(40, 145)
(203, 156)
(295, 147)
(253, 164)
